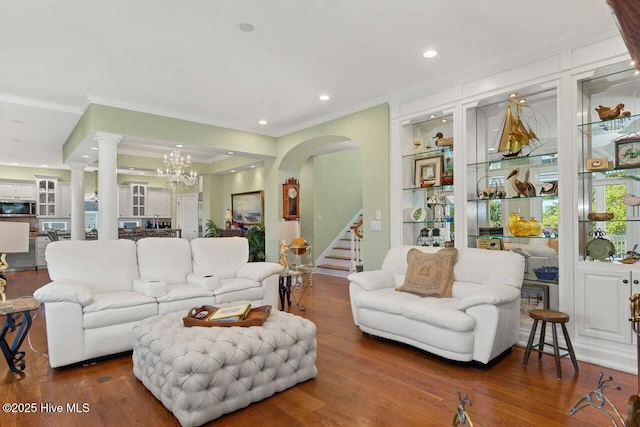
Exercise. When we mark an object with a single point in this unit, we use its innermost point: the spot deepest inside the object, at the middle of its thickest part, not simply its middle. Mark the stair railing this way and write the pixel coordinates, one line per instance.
(356, 246)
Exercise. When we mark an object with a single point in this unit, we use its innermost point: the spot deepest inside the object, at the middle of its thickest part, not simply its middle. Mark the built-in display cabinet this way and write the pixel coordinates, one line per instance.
(512, 186)
(17, 190)
(607, 271)
(46, 198)
(427, 188)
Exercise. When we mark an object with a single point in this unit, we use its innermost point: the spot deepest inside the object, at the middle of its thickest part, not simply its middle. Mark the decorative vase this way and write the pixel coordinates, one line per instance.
(535, 226)
(513, 217)
(521, 228)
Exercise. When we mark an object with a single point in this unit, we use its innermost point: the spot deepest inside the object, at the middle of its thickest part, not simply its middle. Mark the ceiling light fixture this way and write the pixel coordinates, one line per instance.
(252, 166)
(231, 153)
(636, 72)
(513, 95)
(44, 166)
(444, 120)
(324, 97)
(262, 122)
(14, 164)
(523, 101)
(233, 170)
(94, 148)
(430, 53)
(433, 116)
(179, 146)
(175, 170)
(86, 156)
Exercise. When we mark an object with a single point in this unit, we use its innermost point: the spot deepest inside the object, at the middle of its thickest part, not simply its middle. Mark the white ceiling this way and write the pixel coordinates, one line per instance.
(190, 59)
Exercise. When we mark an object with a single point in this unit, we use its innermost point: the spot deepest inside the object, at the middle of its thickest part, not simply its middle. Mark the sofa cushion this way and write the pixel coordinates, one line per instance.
(441, 312)
(430, 274)
(100, 265)
(222, 256)
(115, 317)
(386, 300)
(180, 292)
(120, 299)
(165, 259)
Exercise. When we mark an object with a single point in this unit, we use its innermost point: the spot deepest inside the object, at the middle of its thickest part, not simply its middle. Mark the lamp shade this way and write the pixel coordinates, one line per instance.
(285, 230)
(228, 214)
(14, 237)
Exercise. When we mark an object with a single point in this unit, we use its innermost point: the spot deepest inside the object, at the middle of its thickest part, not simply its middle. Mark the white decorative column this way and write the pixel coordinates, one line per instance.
(77, 200)
(108, 185)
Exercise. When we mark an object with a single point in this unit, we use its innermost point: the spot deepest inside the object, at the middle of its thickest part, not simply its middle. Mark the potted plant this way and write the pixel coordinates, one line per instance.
(256, 238)
(211, 229)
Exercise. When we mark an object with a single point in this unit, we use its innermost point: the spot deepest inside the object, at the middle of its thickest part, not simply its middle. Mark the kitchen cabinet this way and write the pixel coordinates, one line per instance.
(427, 187)
(46, 198)
(124, 201)
(17, 190)
(41, 245)
(63, 200)
(139, 200)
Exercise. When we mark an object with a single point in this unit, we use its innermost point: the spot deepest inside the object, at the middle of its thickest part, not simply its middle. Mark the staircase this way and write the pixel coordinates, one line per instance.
(342, 256)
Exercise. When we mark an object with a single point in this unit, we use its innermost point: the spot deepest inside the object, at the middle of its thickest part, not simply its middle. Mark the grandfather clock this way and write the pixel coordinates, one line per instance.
(291, 199)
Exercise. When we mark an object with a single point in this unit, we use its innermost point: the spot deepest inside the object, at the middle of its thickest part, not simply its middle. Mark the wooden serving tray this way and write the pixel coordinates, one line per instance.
(256, 317)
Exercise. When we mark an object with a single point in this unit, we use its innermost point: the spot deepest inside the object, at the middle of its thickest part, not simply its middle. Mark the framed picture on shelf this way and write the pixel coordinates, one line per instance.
(490, 243)
(247, 208)
(628, 152)
(428, 171)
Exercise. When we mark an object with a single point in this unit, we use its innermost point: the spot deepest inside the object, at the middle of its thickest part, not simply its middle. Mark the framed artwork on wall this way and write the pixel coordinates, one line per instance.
(248, 208)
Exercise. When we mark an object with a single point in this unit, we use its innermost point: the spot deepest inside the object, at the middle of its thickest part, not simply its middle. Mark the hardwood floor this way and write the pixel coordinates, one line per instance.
(361, 380)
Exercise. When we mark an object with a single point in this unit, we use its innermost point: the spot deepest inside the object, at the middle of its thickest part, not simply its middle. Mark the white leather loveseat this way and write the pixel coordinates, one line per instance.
(101, 289)
(479, 322)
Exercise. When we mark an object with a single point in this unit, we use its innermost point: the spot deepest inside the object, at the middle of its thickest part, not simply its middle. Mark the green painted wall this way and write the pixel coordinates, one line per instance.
(337, 195)
(17, 173)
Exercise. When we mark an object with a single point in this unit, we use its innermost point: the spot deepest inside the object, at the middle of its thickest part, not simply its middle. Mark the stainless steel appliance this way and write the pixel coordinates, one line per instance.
(10, 208)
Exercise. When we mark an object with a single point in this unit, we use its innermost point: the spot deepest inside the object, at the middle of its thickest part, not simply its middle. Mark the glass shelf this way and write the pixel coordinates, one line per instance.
(509, 199)
(505, 236)
(546, 159)
(440, 187)
(432, 152)
(619, 126)
(612, 173)
(627, 220)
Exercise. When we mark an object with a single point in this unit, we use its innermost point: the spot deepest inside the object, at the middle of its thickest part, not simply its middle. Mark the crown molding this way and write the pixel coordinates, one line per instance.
(37, 103)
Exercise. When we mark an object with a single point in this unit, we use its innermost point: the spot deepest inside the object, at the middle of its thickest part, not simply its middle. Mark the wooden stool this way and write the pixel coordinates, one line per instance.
(554, 317)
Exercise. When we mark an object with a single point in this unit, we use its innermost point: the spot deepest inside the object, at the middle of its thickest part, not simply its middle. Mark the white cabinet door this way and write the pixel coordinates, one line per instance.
(124, 201)
(41, 245)
(602, 303)
(165, 203)
(63, 201)
(18, 190)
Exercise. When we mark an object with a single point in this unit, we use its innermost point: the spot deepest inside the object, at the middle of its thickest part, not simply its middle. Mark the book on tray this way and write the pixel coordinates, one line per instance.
(230, 314)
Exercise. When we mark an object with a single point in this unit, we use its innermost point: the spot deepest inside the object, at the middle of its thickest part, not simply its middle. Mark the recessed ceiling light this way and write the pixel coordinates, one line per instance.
(230, 152)
(17, 121)
(632, 63)
(513, 95)
(132, 169)
(94, 148)
(492, 149)
(262, 122)
(430, 53)
(324, 97)
(44, 166)
(179, 145)
(233, 170)
(14, 164)
(433, 116)
(86, 156)
(637, 72)
(444, 120)
(140, 173)
(247, 28)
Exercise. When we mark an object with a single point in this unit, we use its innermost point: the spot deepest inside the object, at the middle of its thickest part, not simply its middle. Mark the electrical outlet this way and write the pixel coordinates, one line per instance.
(376, 225)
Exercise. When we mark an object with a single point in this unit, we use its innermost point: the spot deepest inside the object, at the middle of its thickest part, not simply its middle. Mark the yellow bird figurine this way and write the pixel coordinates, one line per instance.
(522, 188)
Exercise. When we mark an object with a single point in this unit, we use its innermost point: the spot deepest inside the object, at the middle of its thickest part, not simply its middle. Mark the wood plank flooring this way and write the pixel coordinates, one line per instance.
(361, 380)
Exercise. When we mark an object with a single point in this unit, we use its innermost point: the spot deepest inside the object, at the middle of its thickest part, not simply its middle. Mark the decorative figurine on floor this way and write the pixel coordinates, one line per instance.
(598, 400)
(462, 418)
(522, 188)
(610, 113)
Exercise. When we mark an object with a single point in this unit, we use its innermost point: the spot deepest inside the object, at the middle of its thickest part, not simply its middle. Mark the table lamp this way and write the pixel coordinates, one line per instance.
(285, 231)
(229, 217)
(14, 238)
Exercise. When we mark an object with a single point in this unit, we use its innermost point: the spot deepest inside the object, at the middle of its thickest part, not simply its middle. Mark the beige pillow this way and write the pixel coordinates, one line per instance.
(430, 275)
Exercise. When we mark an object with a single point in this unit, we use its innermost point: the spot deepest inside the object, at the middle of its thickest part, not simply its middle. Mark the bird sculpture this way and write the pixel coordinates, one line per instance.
(522, 188)
(609, 113)
(631, 200)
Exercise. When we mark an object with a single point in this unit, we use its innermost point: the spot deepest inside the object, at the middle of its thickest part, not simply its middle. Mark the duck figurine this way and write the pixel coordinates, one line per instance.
(609, 113)
(631, 200)
(522, 188)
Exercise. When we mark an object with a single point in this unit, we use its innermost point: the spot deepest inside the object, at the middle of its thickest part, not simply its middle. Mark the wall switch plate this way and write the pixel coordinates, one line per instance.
(378, 214)
(376, 225)
(319, 217)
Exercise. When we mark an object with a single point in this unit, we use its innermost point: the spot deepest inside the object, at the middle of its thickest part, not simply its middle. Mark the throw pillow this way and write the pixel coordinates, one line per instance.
(430, 275)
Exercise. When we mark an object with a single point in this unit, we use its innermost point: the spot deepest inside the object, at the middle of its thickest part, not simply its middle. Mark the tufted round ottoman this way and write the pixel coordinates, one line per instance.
(200, 373)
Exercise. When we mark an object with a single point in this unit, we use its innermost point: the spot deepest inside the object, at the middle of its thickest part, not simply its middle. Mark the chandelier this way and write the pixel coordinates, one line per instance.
(175, 170)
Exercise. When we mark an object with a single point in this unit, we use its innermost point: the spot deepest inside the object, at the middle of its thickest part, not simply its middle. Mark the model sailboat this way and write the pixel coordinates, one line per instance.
(516, 133)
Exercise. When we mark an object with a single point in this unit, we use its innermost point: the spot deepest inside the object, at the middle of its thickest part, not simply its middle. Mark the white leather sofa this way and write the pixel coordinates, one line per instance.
(479, 322)
(101, 289)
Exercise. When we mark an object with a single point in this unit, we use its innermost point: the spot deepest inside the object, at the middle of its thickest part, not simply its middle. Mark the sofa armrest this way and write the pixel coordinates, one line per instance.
(258, 271)
(210, 282)
(372, 280)
(494, 295)
(64, 291)
(150, 288)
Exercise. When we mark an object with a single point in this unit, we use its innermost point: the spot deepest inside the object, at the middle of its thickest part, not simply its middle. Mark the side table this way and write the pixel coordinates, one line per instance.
(18, 313)
(287, 284)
